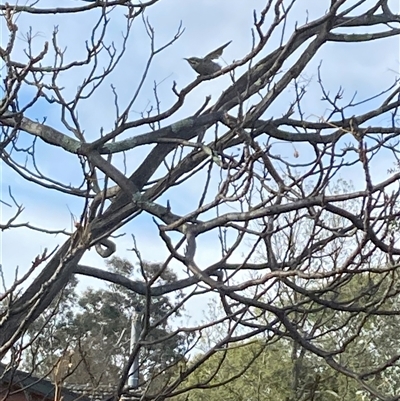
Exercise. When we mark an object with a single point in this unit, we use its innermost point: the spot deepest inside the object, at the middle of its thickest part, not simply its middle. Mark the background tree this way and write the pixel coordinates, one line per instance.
(97, 332)
(197, 179)
(272, 368)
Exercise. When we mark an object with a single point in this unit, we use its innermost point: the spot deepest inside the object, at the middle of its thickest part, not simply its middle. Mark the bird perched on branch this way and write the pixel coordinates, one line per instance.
(206, 66)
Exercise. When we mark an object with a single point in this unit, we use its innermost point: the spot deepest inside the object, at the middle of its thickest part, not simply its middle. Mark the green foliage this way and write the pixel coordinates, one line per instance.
(260, 371)
(242, 373)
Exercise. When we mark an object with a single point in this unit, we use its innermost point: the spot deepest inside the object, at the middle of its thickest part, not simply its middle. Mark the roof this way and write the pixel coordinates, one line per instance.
(40, 386)
(98, 393)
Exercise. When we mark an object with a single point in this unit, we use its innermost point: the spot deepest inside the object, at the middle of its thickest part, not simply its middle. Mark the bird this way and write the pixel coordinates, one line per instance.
(206, 66)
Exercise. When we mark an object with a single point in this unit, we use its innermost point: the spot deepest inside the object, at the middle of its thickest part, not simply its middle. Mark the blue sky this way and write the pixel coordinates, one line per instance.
(365, 68)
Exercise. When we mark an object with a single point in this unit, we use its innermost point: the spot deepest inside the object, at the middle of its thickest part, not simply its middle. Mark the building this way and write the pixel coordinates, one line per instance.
(16, 385)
